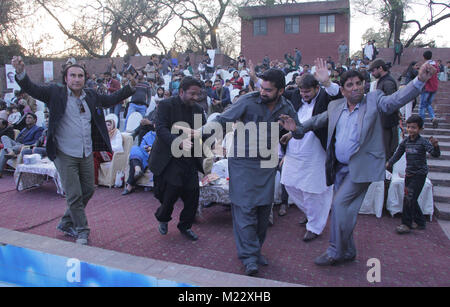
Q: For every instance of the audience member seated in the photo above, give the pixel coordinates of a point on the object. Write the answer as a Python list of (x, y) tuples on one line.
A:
[(40, 146), (15, 115), (220, 97), (147, 124), (139, 161), (28, 136), (237, 81), (116, 145), (6, 130), (3, 112)]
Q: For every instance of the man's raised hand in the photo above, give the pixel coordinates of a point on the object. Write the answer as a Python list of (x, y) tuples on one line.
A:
[(18, 64), (426, 71), (321, 73)]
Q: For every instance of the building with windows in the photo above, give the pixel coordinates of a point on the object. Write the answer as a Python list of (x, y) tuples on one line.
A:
[(315, 28)]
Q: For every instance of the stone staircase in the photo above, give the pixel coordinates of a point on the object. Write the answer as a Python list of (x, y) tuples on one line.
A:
[(439, 168)]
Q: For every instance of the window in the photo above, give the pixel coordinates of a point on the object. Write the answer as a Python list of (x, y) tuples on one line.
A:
[(327, 24), (292, 25), (260, 27)]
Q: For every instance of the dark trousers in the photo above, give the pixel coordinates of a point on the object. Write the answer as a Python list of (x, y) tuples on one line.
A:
[(396, 56), (250, 228), (390, 138), (168, 195), (411, 209), (133, 163)]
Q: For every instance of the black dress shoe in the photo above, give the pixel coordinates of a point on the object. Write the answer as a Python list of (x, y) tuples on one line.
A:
[(325, 260), (163, 228), (251, 269), (188, 233), (309, 236), (303, 221)]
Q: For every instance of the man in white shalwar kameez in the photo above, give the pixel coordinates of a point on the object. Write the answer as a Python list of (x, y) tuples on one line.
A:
[(303, 171)]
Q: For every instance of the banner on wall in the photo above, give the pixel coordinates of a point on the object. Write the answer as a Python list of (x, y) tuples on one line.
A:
[(10, 74), (48, 71), (212, 55)]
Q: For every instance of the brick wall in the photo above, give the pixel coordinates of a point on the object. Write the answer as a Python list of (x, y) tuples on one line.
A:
[(310, 42)]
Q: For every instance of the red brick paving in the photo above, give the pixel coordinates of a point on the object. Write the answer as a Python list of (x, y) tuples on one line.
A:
[(127, 224)]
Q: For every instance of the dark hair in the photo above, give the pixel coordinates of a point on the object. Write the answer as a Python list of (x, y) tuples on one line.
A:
[(428, 55), (66, 70), (409, 69), (32, 115), (308, 81), (187, 82), (350, 74), (415, 119), (275, 76), (107, 73)]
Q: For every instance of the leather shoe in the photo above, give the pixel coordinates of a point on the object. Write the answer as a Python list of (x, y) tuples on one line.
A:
[(283, 210), (188, 233), (251, 269), (67, 230), (126, 192), (303, 221), (262, 260), (309, 236), (163, 228), (325, 260)]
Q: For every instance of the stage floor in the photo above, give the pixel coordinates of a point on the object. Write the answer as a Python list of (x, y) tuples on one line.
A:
[(127, 224)]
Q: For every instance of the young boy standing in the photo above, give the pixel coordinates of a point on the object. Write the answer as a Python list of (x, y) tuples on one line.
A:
[(416, 148)]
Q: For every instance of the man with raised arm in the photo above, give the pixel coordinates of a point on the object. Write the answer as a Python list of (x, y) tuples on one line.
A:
[(355, 152), (76, 129)]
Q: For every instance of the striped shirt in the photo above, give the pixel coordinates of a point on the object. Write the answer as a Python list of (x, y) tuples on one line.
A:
[(416, 155)]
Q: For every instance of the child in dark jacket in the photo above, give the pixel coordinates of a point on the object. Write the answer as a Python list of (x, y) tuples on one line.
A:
[(416, 148)]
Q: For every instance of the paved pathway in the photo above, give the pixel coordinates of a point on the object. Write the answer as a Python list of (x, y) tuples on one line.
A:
[(126, 224)]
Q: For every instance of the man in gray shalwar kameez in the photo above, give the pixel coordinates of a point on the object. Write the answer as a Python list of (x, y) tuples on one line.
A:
[(252, 177)]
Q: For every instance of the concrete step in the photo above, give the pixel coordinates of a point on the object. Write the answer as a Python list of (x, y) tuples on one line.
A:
[(440, 178), (438, 166), (445, 155), (437, 132), (441, 138), (441, 194), (442, 125), (444, 145), (442, 210)]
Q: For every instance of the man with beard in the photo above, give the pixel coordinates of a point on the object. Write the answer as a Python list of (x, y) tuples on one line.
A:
[(177, 177), (303, 172), (355, 152), (386, 83), (252, 179)]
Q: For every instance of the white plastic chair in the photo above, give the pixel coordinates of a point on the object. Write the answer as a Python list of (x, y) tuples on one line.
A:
[(134, 120), (233, 94), (40, 122), (40, 106), (374, 199)]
